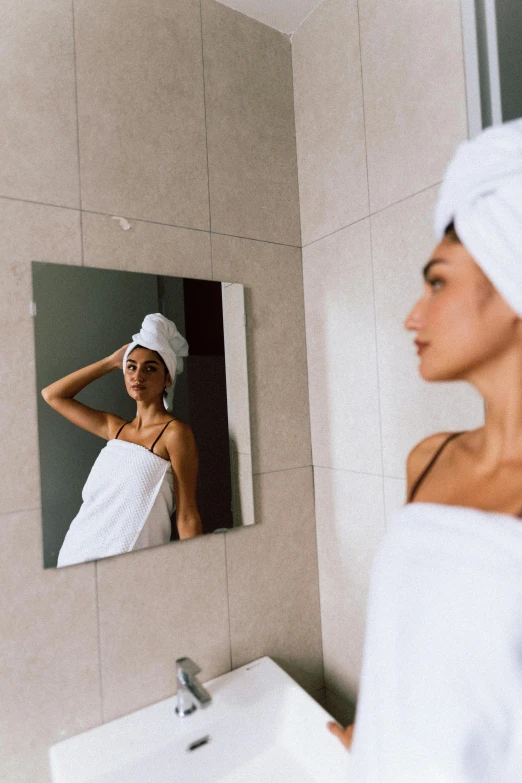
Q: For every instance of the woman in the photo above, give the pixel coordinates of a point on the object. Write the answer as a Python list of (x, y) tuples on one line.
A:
[(441, 685), (129, 495)]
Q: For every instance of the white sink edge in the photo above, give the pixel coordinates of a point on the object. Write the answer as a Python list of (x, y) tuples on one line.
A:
[(140, 732)]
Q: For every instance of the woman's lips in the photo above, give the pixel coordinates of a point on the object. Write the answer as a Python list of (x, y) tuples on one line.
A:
[(138, 387), (420, 346)]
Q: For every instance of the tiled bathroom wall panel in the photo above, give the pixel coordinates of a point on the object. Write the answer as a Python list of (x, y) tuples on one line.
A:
[(250, 127), (394, 496), (342, 361), (350, 526), (273, 280), (411, 408), (37, 102), (157, 605), (27, 232), (272, 579), (141, 110), (49, 654), (146, 247), (333, 187), (414, 93)]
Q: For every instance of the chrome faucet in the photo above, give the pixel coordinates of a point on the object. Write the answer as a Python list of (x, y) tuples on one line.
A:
[(191, 694)]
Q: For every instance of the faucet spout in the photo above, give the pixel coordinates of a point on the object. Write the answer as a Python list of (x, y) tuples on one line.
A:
[(191, 693)]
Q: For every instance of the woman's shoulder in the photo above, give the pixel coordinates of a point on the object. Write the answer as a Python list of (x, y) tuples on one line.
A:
[(421, 454), (180, 442), (114, 425), (177, 430)]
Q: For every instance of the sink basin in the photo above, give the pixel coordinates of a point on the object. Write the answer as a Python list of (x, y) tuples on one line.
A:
[(261, 727)]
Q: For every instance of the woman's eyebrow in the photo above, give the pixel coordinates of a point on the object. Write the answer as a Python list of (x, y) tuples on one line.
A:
[(431, 263), (149, 361)]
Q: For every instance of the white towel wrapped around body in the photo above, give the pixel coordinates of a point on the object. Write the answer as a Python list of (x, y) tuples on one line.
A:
[(441, 689), (128, 487)]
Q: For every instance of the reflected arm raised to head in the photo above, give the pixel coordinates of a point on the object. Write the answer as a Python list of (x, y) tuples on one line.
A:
[(60, 396)]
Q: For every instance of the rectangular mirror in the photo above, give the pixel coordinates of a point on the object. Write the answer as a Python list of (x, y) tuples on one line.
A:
[(83, 315)]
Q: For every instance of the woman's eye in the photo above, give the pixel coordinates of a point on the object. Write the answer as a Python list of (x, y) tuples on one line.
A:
[(434, 281)]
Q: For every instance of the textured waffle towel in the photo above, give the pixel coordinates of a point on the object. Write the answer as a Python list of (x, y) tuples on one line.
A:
[(482, 194), (117, 498), (440, 697)]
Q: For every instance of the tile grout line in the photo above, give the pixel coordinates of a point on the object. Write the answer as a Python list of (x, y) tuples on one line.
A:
[(98, 625), (376, 212), (360, 472), (219, 233), (145, 220), (281, 470), (228, 603), (296, 153), (206, 137), (319, 585), (375, 329), (77, 131)]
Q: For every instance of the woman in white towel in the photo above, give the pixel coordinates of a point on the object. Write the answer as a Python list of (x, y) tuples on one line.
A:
[(149, 465), (440, 697)]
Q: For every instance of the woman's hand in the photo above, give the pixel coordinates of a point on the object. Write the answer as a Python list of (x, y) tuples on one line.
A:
[(345, 735), (116, 359)]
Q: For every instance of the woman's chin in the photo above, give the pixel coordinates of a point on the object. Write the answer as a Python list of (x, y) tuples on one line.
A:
[(431, 373)]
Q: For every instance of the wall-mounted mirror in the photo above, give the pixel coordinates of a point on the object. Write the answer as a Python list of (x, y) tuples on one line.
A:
[(120, 484)]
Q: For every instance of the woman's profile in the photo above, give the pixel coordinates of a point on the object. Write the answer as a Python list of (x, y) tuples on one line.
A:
[(441, 684), (149, 465)]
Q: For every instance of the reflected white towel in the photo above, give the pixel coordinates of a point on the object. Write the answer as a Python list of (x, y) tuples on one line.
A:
[(441, 689), (118, 496)]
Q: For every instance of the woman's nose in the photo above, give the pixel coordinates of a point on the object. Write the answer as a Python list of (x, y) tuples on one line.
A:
[(414, 319)]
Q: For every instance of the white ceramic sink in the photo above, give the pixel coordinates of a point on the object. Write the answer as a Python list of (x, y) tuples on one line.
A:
[(261, 726)]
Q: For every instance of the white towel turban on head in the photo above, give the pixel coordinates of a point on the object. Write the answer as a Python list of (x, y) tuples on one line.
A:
[(161, 335), (482, 194)]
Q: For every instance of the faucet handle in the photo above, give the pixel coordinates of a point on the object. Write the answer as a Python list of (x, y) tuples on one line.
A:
[(187, 666)]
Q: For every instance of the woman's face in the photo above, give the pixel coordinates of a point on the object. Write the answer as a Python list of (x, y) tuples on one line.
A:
[(460, 315), (145, 375)]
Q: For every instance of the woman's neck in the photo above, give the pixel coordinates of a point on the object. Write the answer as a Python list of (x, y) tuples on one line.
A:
[(149, 414), (499, 382)]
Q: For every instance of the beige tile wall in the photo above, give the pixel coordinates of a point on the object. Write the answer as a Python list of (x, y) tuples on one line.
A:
[(179, 122), (380, 106)]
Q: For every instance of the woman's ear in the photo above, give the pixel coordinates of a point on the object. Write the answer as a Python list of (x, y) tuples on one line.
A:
[(168, 381)]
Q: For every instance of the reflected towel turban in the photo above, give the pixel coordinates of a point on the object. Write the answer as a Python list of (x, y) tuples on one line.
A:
[(482, 194), (161, 335)]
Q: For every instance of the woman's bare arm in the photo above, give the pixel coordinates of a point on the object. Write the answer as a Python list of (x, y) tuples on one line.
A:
[(183, 454), (60, 396)]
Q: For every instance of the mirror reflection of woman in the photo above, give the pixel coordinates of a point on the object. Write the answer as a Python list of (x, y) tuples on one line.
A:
[(440, 694), (149, 465)]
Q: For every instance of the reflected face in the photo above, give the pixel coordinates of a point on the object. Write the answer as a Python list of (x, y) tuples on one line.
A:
[(145, 375), (460, 318)]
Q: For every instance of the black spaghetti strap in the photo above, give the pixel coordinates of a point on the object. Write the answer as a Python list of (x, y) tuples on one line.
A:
[(430, 464), (122, 426), (159, 436)]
